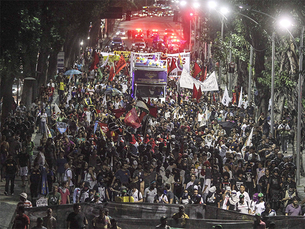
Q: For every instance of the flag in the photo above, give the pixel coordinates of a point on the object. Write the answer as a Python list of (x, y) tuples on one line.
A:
[(143, 114), (225, 98), (247, 143), (204, 75), (100, 74), (173, 66), (48, 132), (106, 61), (111, 74), (118, 112), (195, 93), (120, 65), (132, 119), (57, 110), (62, 127), (140, 104), (104, 127), (96, 60), (196, 70), (168, 67), (153, 111), (180, 62), (234, 97), (199, 94), (240, 100)]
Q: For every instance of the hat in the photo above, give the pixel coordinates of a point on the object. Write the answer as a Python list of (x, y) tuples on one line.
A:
[(24, 195), (260, 195), (163, 218), (241, 196), (135, 162)]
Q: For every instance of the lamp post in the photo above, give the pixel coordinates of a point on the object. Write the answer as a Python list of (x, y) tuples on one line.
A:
[(272, 84), (298, 151)]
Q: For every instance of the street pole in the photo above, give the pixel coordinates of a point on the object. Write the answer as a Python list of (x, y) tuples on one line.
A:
[(250, 75), (272, 85), (190, 35), (221, 37), (230, 74), (298, 151)]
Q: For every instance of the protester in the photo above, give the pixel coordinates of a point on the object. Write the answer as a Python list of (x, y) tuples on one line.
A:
[(163, 224), (39, 224), (76, 219), (49, 221), (21, 220)]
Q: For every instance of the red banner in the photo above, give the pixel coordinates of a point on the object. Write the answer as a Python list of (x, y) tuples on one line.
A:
[(196, 71), (111, 74), (96, 60), (104, 127), (118, 112), (195, 93), (132, 119), (120, 65)]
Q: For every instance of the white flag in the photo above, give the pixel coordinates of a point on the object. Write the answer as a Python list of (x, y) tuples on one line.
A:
[(247, 143), (225, 98), (187, 81), (240, 100), (106, 61)]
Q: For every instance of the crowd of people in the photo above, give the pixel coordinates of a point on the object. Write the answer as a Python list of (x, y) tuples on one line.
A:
[(192, 151)]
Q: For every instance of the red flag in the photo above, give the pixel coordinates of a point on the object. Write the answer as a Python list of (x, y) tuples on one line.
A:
[(196, 71), (104, 127), (120, 65), (111, 74), (199, 94), (173, 66), (168, 67), (118, 112), (132, 119), (95, 61), (204, 75), (195, 93), (142, 116)]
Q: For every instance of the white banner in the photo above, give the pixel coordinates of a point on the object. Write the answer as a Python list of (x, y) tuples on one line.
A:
[(186, 60), (225, 98), (187, 81), (240, 100)]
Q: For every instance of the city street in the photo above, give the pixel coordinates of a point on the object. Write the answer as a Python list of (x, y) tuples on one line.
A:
[(149, 23)]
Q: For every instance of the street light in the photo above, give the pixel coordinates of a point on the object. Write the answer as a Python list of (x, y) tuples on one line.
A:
[(183, 3), (223, 12), (286, 23)]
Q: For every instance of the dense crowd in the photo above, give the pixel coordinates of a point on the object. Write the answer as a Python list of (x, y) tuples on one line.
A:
[(192, 152)]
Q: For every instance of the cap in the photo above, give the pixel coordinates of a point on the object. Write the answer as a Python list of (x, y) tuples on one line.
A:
[(135, 162), (260, 194), (39, 219), (217, 226), (24, 195), (257, 214), (163, 218), (241, 196)]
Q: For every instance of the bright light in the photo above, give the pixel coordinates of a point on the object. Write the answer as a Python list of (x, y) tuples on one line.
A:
[(182, 3), (196, 5), (81, 43), (212, 4), (88, 38), (224, 10), (285, 23), (191, 14)]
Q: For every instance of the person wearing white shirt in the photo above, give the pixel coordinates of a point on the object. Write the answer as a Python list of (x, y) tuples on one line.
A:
[(137, 196), (242, 191), (242, 206), (260, 205)]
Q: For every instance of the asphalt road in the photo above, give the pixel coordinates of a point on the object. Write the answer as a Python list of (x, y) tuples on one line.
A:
[(149, 23)]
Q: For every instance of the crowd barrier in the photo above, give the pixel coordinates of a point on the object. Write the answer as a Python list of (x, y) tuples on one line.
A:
[(282, 222), (145, 215)]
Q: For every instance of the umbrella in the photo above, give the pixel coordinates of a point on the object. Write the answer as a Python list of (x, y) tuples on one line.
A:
[(73, 72), (114, 91), (227, 126)]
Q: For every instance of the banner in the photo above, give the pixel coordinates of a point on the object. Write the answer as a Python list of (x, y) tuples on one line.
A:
[(240, 100), (182, 61), (225, 98), (132, 119), (105, 62), (196, 70), (96, 60), (187, 81), (126, 54), (247, 143), (104, 127), (120, 65), (62, 127)]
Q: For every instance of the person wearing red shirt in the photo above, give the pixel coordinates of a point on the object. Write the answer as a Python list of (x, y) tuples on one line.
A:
[(21, 221)]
